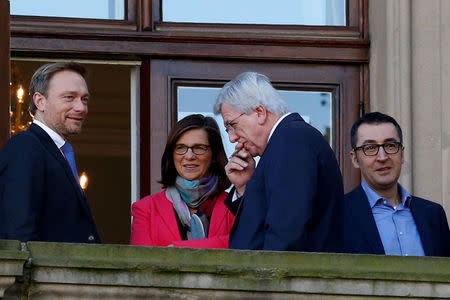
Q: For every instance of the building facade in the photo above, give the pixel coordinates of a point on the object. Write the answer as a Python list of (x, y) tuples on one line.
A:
[(149, 67)]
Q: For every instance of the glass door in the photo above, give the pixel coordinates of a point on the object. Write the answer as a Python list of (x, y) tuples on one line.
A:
[(326, 95), (106, 150)]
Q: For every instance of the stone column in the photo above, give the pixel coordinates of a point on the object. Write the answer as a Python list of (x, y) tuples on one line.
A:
[(430, 51), (410, 80), (390, 69)]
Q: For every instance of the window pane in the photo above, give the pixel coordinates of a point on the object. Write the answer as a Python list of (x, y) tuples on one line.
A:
[(97, 9), (314, 107), (281, 12), (200, 100)]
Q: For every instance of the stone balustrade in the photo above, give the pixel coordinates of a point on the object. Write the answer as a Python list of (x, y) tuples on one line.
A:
[(12, 260), (38, 270)]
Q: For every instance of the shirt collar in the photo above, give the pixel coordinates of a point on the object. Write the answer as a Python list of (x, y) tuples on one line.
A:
[(57, 139), (373, 197), (406, 197), (276, 124)]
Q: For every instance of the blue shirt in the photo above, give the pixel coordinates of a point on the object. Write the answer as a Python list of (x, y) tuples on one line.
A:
[(396, 225)]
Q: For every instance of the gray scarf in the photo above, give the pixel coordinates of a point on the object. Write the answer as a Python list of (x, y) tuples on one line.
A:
[(192, 194)]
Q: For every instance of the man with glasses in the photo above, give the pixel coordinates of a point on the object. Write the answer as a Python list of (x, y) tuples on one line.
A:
[(293, 199), (381, 217)]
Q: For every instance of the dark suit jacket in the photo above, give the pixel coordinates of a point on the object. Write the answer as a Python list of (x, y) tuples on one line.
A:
[(361, 233), (294, 200), (40, 199)]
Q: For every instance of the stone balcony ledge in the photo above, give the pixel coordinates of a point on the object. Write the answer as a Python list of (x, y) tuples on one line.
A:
[(82, 271), (12, 261)]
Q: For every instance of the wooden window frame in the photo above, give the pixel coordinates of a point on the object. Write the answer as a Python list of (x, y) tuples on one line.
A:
[(159, 106), (143, 34), (5, 77), (356, 17), (146, 15), (62, 24)]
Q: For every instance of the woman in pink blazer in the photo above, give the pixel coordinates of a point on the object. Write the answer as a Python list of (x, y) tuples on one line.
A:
[(190, 210)]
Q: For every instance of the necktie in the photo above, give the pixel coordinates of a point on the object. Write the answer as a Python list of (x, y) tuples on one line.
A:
[(68, 152)]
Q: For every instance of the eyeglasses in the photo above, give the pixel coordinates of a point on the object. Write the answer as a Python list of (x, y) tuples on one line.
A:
[(229, 126), (372, 149), (199, 149)]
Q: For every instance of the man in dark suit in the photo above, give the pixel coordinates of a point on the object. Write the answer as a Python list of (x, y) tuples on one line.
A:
[(381, 217), (40, 197), (293, 199)]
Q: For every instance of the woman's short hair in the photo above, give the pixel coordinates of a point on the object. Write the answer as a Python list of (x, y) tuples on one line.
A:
[(41, 78), (219, 158)]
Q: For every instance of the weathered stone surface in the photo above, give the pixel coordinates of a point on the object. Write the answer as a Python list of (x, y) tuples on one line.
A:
[(59, 291), (12, 260), (121, 271), (83, 271)]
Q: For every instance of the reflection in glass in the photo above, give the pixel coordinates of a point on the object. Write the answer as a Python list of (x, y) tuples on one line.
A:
[(18, 113), (200, 100), (281, 12), (89, 9), (314, 107)]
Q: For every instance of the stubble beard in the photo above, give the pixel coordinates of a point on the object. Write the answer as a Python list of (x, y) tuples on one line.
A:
[(66, 129)]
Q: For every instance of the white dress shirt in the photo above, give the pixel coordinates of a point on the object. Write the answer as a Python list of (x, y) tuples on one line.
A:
[(57, 139)]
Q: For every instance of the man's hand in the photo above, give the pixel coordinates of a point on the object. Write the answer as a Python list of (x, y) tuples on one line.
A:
[(240, 168)]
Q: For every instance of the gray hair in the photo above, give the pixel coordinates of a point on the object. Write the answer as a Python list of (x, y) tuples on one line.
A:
[(41, 78), (249, 90)]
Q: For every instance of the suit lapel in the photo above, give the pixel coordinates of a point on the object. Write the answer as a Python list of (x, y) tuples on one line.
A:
[(50, 146), (420, 218), (168, 217), (362, 213)]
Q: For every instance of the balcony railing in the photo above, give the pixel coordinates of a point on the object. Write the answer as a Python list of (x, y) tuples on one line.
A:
[(80, 271)]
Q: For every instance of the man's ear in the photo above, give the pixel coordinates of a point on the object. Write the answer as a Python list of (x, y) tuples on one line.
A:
[(40, 101), (403, 154), (261, 114), (355, 161)]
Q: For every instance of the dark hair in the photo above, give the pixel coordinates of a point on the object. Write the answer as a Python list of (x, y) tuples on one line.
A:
[(219, 158), (373, 118), (41, 78)]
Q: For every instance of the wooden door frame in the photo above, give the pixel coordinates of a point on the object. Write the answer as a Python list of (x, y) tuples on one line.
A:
[(158, 114), (5, 72)]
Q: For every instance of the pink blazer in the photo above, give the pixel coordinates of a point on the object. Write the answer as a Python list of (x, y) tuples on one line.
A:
[(155, 224)]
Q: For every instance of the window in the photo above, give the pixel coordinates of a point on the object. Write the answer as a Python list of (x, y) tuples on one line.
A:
[(284, 12), (315, 107), (98, 9), (323, 94), (53, 16)]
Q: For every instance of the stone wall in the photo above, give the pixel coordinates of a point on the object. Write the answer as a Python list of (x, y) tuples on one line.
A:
[(12, 261), (80, 271), (410, 80)]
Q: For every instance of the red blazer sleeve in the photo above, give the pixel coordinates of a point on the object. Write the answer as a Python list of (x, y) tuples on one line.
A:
[(140, 228)]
